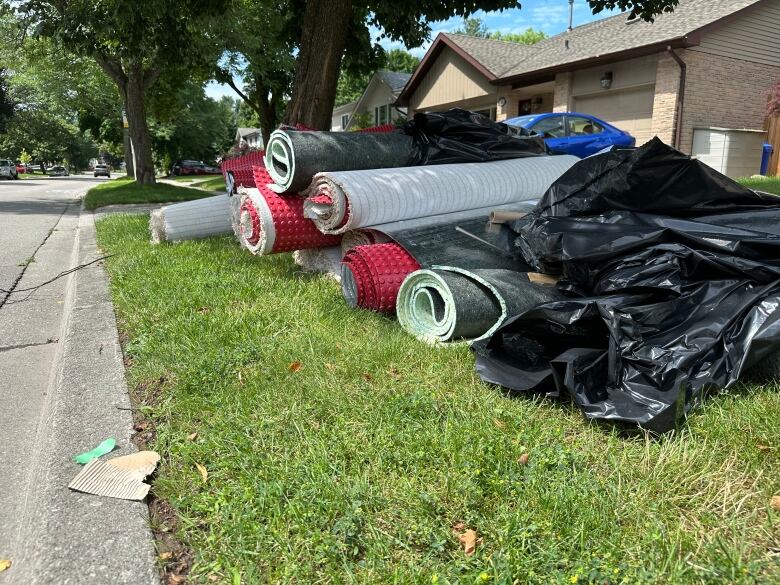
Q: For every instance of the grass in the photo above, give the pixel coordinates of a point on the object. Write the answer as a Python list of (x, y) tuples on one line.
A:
[(768, 184), (125, 190), (340, 450), (211, 183)]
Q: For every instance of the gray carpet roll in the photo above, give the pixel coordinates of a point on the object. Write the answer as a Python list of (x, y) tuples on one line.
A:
[(447, 303), (340, 201), (293, 157)]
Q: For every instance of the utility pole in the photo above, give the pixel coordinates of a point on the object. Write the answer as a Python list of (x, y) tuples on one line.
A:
[(571, 14)]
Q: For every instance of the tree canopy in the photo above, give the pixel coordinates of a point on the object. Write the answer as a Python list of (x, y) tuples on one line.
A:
[(352, 84), (475, 27)]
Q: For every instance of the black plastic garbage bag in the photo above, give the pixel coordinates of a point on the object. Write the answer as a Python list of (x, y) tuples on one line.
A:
[(675, 275), (457, 136)]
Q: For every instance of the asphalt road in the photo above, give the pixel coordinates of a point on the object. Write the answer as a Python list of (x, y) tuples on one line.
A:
[(29, 209)]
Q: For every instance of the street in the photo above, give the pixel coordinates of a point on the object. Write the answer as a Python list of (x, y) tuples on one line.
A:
[(55, 344)]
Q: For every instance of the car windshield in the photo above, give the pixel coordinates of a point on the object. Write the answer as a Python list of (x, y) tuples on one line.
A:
[(522, 121), (5, 163)]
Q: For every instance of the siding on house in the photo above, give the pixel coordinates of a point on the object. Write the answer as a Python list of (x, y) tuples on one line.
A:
[(625, 74), (724, 92), (753, 37), (378, 95), (451, 79)]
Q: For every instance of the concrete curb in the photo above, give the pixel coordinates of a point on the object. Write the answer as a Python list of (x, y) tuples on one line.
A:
[(74, 538)]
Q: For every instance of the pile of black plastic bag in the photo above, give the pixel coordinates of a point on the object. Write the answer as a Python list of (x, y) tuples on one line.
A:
[(673, 274)]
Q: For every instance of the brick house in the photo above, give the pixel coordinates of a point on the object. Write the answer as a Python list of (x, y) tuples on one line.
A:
[(709, 63)]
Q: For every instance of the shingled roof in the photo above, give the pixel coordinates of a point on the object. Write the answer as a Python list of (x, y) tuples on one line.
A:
[(602, 40), (394, 79)]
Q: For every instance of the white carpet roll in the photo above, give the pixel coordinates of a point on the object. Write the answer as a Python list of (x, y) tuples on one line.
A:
[(191, 220)]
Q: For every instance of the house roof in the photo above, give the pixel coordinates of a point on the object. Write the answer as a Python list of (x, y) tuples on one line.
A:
[(602, 40), (395, 80), (244, 132), (344, 108)]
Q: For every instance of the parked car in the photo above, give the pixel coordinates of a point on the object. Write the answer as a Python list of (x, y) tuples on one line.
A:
[(193, 167), (21, 168), (59, 171), (574, 133), (102, 170), (8, 169)]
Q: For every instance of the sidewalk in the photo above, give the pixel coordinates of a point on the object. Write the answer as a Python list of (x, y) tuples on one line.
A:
[(51, 534)]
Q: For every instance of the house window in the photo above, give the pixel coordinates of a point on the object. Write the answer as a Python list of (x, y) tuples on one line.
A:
[(344, 121), (380, 115)]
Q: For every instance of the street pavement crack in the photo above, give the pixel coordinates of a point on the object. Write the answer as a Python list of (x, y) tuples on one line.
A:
[(18, 279), (26, 345)]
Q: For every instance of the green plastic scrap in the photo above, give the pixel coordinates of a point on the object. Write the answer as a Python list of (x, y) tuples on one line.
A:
[(105, 447)]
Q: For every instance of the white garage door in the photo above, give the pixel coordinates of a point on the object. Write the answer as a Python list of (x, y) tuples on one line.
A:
[(627, 109)]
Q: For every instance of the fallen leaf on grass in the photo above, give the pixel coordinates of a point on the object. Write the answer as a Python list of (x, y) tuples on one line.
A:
[(214, 578), (140, 425), (776, 503), (295, 366), (315, 425), (523, 459), (204, 473), (367, 377), (499, 423), (176, 579), (204, 310), (330, 367), (467, 537), (764, 448), (192, 436), (165, 555), (4, 564), (394, 373), (469, 541)]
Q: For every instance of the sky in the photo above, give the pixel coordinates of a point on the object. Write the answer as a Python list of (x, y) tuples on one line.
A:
[(549, 16)]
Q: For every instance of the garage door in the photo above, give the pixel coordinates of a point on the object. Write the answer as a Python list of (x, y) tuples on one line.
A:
[(628, 109)]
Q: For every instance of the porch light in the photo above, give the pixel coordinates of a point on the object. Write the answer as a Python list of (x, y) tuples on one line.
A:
[(606, 80), (501, 102)]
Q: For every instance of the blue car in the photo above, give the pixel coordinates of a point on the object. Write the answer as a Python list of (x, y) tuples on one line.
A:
[(573, 133)]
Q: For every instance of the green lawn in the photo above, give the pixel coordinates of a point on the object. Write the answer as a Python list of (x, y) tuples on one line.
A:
[(210, 183), (768, 184), (125, 190), (341, 450)]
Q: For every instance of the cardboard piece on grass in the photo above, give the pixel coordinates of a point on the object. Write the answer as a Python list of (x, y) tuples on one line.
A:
[(103, 479), (138, 464)]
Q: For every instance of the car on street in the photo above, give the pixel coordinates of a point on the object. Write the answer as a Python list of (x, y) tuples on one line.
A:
[(102, 170), (59, 171), (8, 169), (193, 167), (574, 133)]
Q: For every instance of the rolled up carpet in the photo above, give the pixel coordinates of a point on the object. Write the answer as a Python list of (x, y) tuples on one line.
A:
[(355, 238), (191, 220), (371, 275), (324, 260), (448, 304), (269, 224), (293, 157), (340, 201)]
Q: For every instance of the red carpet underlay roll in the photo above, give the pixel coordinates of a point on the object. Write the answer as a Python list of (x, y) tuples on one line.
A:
[(371, 275), (270, 223)]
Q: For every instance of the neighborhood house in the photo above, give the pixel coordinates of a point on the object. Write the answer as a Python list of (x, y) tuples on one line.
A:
[(377, 104), (708, 64)]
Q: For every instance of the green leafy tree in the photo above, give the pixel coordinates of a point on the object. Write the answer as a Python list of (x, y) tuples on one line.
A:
[(133, 43), (644, 9), (258, 60), (473, 27), (528, 37), (400, 60)]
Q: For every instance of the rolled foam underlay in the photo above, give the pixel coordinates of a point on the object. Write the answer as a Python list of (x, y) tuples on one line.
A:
[(371, 275), (191, 220), (344, 200), (324, 260), (293, 157), (447, 303), (270, 223), (365, 237)]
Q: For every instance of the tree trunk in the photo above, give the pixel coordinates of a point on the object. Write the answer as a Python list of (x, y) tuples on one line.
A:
[(318, 64), (267, 111), (129, 167), (140, 140)]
